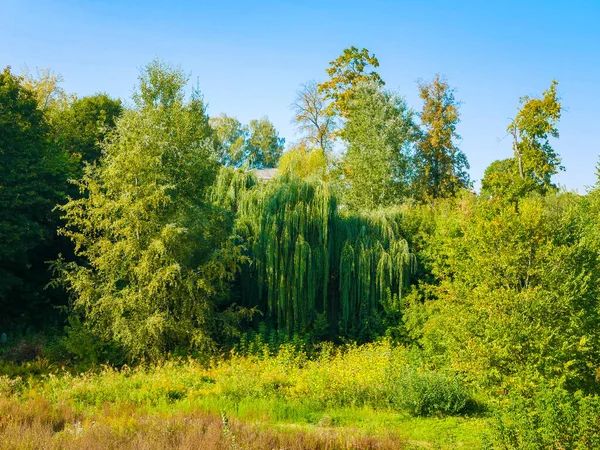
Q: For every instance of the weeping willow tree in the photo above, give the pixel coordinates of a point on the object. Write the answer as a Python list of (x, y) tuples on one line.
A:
[(310, 259)]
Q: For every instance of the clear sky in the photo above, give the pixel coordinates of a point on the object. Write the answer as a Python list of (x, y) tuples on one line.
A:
[(250, 56)]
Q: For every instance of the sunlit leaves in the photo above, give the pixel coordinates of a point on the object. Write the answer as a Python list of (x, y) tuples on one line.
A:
[(441, 165)]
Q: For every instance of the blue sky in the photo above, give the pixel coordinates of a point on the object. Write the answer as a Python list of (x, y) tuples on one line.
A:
[(250, 57)]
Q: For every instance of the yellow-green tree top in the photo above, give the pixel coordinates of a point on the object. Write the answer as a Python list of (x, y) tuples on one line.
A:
[(345, 73), (534, 161), (442, 166), (535, 122)]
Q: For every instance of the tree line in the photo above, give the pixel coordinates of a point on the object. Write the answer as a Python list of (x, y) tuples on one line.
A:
[(145, 226)]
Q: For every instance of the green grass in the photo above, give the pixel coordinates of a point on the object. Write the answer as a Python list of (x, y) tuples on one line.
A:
[(369, 390)]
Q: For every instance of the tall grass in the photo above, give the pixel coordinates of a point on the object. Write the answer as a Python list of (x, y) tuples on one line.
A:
[(377, 375), (132, 407), (36, 424)]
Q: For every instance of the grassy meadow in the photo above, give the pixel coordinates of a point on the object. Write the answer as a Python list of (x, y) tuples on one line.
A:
[(370, 396)]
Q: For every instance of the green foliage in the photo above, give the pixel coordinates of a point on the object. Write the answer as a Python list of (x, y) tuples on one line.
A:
[(552, 419), (535, 161), (426, 393), (264, 144), (144, 228), (346, 72), (33, 178), (257, 145), (340, 390), (441, 165), (305, 163), (513, 295), (231, 140), (379, 130), (81, 126), (173, 259), (83, 347), (377, 375), (501, 179), (309, 258), (45, 86)]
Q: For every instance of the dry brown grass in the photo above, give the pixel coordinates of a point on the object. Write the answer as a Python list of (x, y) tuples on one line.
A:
[(37, 424)]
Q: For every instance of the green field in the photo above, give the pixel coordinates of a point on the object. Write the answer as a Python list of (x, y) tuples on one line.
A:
[(349, 399)]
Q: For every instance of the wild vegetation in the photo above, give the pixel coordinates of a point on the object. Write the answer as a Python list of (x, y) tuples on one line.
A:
[(157, 292)]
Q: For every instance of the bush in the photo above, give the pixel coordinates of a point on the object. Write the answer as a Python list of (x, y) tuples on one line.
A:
[(25, 352), (85, 348), (424, 393), (552, 419)]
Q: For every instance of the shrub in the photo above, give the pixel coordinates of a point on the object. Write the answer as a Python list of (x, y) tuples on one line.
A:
[(25, 350), (424, 393), (553, 419)]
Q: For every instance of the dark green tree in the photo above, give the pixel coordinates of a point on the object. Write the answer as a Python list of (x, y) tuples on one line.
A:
[(312, 262), (83, 124), (33, 179)]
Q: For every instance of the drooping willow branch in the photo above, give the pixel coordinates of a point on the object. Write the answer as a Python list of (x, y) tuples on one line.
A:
[(309, 257)]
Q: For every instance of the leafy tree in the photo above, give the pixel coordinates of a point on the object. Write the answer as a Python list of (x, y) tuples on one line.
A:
[(312, 262), (535, 161), (231, 140), (145, 229), (264, 144), (33, 174), (312, 116), (45, 84), (346, 72), (501, 178), (514, 294), (79, 125), (441, 166), (257, 145), (304, 162), (379, 129), (82, 125)]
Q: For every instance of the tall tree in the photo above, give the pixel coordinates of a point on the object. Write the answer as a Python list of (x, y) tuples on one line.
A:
[(534, 161), (441, 165), (145, 229), (312, 116), (257, 145), (264, 145), (313, 262), (81, 126), (33, 178), (231, 138), (379, 129), (345, 73), (535, 122)]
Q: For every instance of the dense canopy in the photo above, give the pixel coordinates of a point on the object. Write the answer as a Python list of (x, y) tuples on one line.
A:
[(138, 231)]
